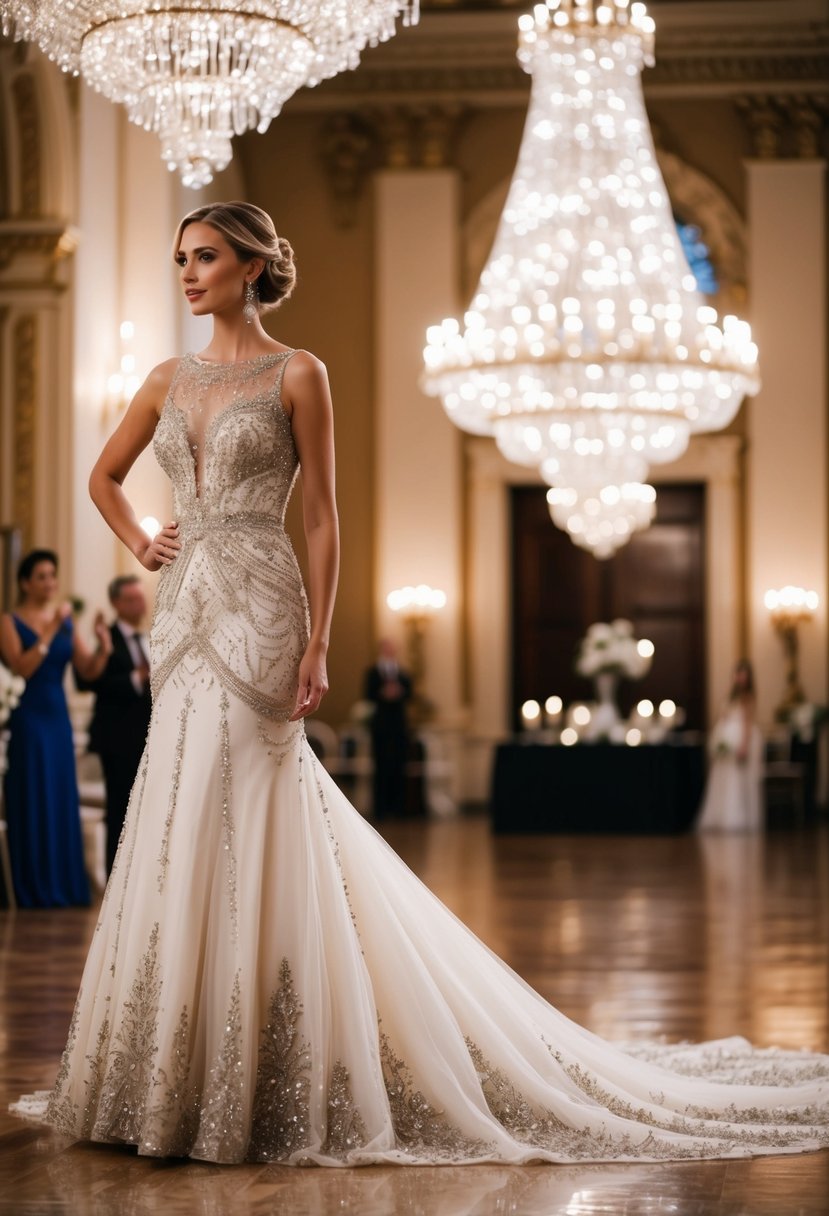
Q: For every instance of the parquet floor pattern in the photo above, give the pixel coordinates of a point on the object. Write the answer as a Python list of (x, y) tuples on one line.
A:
[(633, 937)]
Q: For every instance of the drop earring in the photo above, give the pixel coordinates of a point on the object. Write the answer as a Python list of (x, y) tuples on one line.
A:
[(250, 311)]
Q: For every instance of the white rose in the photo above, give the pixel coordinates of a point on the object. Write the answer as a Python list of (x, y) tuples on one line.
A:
[(600, 632)]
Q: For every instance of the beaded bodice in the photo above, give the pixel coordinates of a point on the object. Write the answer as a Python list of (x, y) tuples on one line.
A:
[(224, 439), (233, 599)]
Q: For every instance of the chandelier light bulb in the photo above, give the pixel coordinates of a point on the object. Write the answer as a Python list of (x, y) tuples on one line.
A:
[(198, 72), (587, 350)]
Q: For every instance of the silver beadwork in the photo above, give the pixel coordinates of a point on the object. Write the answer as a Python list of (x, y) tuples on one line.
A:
[(251, 308)]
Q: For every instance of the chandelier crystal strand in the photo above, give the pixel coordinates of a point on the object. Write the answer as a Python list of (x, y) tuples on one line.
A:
[(198, 72), (587, 349)]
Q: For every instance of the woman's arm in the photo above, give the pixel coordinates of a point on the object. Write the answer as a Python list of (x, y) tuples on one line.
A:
[(88, 665), (25, 662), (307, 398), (119, 455)]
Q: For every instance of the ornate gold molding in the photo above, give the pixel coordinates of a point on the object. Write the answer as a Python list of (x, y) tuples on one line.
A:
[(395, 137), (24, 397), (346, 145), (48, 241), (784, 126)]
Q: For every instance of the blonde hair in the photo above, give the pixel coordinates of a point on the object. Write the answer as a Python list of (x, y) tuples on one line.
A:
[(250, 232)]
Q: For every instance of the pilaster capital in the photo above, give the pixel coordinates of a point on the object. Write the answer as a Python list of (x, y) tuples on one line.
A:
[(354, 143), (788, 126)]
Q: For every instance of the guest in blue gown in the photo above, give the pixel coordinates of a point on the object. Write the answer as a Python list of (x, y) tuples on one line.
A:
[(37, 642)]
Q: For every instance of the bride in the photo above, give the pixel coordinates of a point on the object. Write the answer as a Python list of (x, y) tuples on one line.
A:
[(267, 980)]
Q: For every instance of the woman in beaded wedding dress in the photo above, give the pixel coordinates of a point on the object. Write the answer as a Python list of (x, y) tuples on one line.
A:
[(267, 980)]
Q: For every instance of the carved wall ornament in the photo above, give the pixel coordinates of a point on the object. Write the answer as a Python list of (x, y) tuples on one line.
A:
[(347, 146), (396, 137), (52, 243), (785, 126), (807, 124), (24, 344)]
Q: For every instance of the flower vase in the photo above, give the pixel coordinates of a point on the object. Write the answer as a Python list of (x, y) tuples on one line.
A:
[(606, 712)]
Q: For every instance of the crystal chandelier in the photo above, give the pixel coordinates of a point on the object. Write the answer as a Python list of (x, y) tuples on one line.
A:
[(588, 350), (198, 72)]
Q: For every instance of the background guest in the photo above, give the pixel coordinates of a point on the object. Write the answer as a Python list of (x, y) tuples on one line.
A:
[(388, 687), (122, 704), (41, 790), (732, 801)]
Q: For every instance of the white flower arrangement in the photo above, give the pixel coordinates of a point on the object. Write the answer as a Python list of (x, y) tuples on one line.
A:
[(11, 690), (611, 648), (805, 720)]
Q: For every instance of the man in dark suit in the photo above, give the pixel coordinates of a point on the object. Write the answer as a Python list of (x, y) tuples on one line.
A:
[(123, 704), (388, 687)]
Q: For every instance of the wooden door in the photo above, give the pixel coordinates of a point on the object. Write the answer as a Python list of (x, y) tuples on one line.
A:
[(657, 581)]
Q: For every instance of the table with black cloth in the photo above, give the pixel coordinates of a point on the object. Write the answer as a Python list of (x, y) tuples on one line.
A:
[(597, 787)]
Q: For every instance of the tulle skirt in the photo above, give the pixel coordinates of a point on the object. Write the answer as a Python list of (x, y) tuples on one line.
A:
[(269, 982)]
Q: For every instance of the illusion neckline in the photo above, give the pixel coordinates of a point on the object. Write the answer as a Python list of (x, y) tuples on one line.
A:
[(273, 354)]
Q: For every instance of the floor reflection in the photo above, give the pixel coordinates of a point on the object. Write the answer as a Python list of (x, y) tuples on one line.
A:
[(78, 1183)]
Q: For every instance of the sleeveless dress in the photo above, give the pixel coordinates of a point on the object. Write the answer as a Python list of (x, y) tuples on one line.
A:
[(733, 793), (268, 981), (41, 786)]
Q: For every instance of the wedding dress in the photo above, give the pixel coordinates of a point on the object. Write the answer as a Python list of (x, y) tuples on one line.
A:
[(267, 980), (732, 800)]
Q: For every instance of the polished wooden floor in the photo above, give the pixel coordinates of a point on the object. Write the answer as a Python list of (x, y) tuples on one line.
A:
[(633, 937)]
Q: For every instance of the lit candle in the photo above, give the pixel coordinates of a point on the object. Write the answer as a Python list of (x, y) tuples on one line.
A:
[(531, 715), (553, 707)]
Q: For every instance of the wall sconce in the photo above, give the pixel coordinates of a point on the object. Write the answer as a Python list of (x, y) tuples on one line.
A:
[(123, 384), (788, 608), (416, 606)]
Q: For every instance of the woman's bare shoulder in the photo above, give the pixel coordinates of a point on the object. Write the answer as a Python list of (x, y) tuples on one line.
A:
[(161, 376), (303, 364)]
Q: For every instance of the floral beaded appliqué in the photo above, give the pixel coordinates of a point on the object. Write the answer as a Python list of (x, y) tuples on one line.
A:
[(281, 1104)]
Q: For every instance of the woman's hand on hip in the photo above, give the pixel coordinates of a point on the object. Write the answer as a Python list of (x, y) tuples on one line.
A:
[(163, 549)]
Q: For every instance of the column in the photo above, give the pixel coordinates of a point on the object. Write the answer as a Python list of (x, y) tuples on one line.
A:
[(417, 458), (787, 522), (128, 209)]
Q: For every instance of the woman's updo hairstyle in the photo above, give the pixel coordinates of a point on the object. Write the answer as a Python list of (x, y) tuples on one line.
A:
[(250, 232)]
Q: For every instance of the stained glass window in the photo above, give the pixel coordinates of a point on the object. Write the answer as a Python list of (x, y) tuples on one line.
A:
[(699, 257)]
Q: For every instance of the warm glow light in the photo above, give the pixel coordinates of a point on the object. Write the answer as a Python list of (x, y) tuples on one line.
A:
[(127, 331), (792, 600), (645, 709), (633, 737), (645, 648), (416, 600), (569, 736), (553, 706), (667, 708), (150, 525), (581, 715), (587, 350), (530, 712)]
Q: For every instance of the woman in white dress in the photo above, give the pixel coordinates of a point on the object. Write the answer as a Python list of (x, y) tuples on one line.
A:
[(733, 793), (268, 981)]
